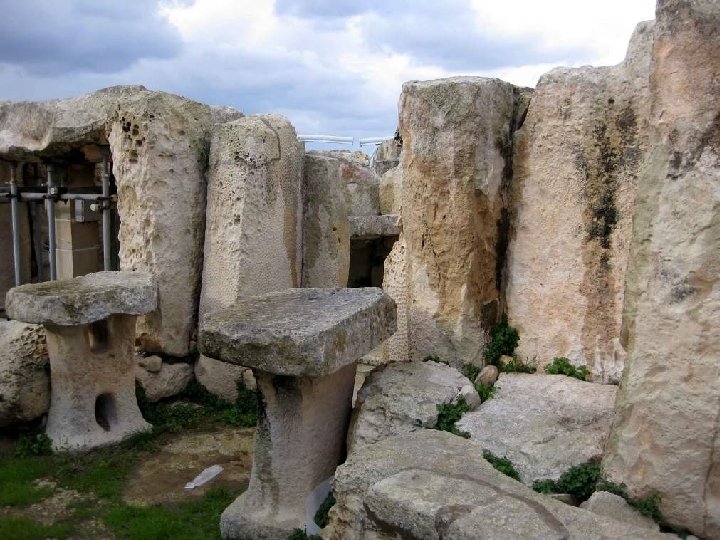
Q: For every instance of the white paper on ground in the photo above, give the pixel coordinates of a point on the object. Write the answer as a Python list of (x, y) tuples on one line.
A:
[(204, 477)]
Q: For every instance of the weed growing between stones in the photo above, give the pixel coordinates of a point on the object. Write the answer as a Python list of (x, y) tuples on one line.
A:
[(322, 517), (471, 371), (562, 366), (485, 391), (449, 413), (516, 365), (502, 464), (33, 444), (503, 341)]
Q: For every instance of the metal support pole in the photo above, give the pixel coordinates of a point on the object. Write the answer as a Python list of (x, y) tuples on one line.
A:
[(106, 215), (50, 207), (37, 242), (14, 211)]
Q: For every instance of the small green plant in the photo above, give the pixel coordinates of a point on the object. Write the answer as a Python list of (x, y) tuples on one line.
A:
[(503, 341), (485, 391), (299, 534), (544, 486), (580, 480), (435, 358), (502, 464), (648, 506), (35, 444), (562, 366), (449, 413), (471, 371), (516, 365), (322, 517)]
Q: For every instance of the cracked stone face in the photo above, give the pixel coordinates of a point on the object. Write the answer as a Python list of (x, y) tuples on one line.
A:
[(299, 332), (84, 299)]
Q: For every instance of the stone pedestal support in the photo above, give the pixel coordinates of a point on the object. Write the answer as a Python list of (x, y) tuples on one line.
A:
[(90, 327), (303, 345)]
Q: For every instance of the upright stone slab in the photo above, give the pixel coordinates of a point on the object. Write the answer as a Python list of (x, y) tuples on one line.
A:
[(326, 231), (575, 168), (666, 435), (302, 345), (90, 326), (253, 227), (457, 143)]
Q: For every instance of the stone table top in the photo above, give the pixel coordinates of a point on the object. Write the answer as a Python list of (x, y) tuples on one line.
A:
[(84, 299), (299, 332)]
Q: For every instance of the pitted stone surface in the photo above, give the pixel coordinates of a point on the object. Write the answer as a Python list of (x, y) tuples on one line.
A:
[(84, 299), (374, 226), (299, 332)]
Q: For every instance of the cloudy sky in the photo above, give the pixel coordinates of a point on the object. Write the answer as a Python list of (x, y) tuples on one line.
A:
[(331, 66)]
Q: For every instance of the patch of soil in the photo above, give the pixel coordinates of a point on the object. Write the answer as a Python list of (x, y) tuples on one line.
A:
[(162, 477)]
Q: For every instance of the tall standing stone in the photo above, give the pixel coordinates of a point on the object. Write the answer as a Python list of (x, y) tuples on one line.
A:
[(577, 158), (457, 146), (665, 436)]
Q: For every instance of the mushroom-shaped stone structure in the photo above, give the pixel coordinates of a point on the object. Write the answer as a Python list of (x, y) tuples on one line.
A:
[(303, 345), (90, 327)]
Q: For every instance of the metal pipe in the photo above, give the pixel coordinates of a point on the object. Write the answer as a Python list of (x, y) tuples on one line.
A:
[(106, 214), (14, 211), (50, 207), (37, 242), (374, 140), (326, 138)]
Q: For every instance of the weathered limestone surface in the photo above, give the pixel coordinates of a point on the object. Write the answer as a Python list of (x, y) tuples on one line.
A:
[(24, 372), (83, 300), (575, 168), (326, 230), (221, 378), (168, 381), (397, 347), (403, 397), (615, 507), (253, 231), (391, 191), (544, 424), (299, 332), (90, 331), (665, 435), (432, 484), (457, 146), (159, 145), (387, 156), (374, 226), (303, 345)]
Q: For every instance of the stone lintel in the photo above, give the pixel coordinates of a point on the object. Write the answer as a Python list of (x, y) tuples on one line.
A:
[(83, 300), (300, 332), (374, 226)]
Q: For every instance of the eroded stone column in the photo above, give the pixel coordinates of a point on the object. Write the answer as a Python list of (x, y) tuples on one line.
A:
[(90, 327), (303, 345)]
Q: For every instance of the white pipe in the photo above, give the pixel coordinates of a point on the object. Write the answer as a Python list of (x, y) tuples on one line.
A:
[(326, 138), (50, 206), (374, 140)]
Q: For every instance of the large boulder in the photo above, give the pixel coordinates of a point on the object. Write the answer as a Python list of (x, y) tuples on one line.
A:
[(403, 397), (544, 424), (457, 146), (575, 168), (168, 381), (431, 485), (24, 372), (159, 146), (666, 435)]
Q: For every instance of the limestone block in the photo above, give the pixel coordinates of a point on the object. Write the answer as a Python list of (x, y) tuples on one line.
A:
[(168, 381), (397, 347), (544, 424), (253, 231), (84, 299), (387, 156), (665, 435), (152, 363), (364, 197), (403, 397), (299, 332), (220, 378), (391, 191), (488, 375), (432, 484), (457, 139), (615, 507), (575, 167), (364, 227), (326, 231), (24, 372)]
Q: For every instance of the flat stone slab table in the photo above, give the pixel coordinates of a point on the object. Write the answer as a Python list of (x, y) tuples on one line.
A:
[(90, 326), (303, 345)]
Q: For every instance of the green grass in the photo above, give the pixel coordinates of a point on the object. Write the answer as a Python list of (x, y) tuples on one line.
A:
[(503, 341), (449, 413), (516, 365), (485, 391), (191, 520), (502, 464), (23, 528), (562, 366)]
